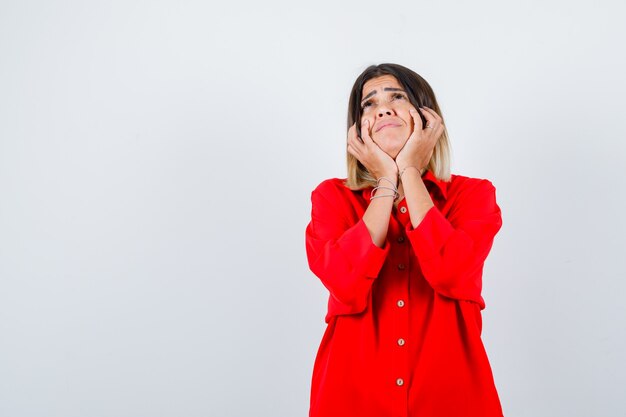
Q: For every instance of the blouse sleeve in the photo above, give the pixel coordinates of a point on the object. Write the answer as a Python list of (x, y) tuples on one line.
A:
[(451, 252), (342, 255)]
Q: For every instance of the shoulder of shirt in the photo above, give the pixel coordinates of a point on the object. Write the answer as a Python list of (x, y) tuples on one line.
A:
[(462, 182), (333, 186), (332, 183)]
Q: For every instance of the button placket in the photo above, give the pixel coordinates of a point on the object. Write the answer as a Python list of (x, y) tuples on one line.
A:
[(396, 345), (400, 368)]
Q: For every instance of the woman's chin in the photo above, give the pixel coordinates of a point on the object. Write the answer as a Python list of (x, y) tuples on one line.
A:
[(393, 154), (394, 146), (393, 149)]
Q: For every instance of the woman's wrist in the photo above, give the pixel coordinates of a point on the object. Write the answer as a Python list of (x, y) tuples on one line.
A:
[(392, 175), (386, 183), (403, 169)]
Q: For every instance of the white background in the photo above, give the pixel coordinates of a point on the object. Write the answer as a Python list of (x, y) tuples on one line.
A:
[(156, 164)]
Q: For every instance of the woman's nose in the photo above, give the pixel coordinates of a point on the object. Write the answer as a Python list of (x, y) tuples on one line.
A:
[(381, 113)]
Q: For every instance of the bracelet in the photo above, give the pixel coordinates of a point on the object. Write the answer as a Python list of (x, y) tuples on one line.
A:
[(386, 188), (391, 182), (385, 195), (411, 166), (395, 191), (395, 194)]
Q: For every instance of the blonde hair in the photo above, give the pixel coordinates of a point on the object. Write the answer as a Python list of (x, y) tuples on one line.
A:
[(420, 94)]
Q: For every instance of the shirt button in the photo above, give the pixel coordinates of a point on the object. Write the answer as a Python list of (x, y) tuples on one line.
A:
[(401, 239), (402, 209), (401, 267), (400, 381), (400, 303), (401, 342)]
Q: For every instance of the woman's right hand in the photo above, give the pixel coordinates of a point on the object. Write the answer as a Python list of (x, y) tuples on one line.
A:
[(377, 161)]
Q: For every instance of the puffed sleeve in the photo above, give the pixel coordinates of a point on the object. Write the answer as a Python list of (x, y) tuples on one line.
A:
[(341, 253), (451, 251)]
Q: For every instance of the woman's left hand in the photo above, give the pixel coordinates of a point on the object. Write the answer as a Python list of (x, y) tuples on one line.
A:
[(418, 149)]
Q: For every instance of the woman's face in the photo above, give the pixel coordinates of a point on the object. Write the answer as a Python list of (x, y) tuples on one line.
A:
[(386, 105)]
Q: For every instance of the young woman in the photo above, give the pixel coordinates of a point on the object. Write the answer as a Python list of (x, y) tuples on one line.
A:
[(400, 245)]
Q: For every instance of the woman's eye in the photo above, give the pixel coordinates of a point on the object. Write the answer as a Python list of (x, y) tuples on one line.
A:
[(369, 103)]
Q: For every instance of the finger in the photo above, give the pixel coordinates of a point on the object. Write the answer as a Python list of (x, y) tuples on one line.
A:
[(440, 132), (431, 121), (417, 120), (359, 134), (436, 136), (365, 132), (354, 142), (352, 129), (433, 113), (352, 133), (353, 151)]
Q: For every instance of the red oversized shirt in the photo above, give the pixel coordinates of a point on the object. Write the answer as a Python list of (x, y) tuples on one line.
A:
[(403, 335)]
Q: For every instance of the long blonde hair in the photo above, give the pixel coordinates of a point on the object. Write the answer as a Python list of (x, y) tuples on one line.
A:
[(420, 94)]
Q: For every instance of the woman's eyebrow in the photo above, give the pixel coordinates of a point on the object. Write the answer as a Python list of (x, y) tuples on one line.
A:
[(373, 92)]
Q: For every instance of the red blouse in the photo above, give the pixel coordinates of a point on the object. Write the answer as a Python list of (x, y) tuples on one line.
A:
[(404, 324)]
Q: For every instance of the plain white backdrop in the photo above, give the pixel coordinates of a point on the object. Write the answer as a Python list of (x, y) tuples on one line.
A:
[(156, 164)]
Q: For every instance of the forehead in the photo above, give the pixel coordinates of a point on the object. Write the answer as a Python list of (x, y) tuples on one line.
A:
[(379, 83)]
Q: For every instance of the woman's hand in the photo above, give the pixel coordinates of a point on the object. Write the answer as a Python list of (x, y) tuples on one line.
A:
[(377, 161), (418, 149)]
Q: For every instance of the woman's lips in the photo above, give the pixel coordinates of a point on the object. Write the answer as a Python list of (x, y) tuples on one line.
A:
[(387, 125)]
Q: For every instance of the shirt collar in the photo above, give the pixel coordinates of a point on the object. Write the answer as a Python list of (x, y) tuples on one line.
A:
[(429, 177), (429, 180)]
